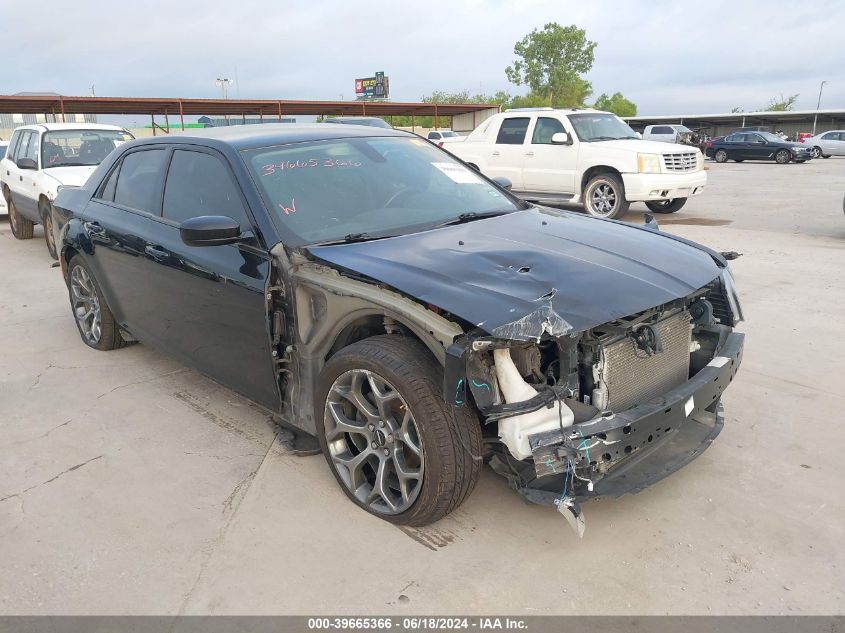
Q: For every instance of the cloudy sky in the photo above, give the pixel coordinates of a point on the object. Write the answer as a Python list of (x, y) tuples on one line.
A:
[(668, 56)]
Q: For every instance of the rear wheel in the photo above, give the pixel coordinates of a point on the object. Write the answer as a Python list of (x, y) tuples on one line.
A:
[(93, 318), (45, 209), (22, 228), (782, 156), (721, 156), (604, 197), (393, 444), (666, 206)]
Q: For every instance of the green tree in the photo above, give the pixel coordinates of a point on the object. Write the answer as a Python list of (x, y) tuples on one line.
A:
[(551, 62), (737, 109), (618, 104), (781, 105)]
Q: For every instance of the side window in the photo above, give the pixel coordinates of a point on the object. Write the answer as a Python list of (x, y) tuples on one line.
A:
[(107, 190), (29, 146), (663, 129), (13, 145), (138, 181), (434, 135), (545, 128), (201, 184), (512, 131), (756, 138), (831, 136)]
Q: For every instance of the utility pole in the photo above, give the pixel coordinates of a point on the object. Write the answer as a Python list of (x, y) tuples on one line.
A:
[(818, 105), (223, 83)]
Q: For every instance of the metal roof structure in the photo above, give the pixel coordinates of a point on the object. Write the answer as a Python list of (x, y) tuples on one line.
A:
[(59, 104), (826, 119)]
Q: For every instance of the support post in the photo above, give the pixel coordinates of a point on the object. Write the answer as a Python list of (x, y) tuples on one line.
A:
[(62, 106), (166, 121), (280, 111), (181, 116), (153, 121), (413, 123)]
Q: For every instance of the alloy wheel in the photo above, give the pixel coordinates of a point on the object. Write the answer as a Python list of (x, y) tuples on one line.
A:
[(817, 152), (721, 156), (86, 305), (603, 199), (782, 157), (374, 442)]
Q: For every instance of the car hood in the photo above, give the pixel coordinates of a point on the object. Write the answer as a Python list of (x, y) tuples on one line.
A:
[(72, 176), (638, 145), (531, 272)]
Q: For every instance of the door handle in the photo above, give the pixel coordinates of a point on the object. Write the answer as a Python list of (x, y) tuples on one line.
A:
[(496, 153), (529, 153), (94, 229), (156, 252)]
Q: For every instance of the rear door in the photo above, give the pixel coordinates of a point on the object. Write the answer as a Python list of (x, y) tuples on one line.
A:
[(507, 153), (548, 167), (210, 306)]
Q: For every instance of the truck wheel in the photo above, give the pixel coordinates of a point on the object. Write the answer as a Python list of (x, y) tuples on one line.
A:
[(22, 228), (782, 156), (93, 318), (395, 447), (721, 156), (604, 197), (45, 209), (666, 206)]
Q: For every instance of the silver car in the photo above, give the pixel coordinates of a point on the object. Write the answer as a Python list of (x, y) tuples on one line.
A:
[(827, 144)]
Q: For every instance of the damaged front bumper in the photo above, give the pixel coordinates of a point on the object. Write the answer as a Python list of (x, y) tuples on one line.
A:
[(625, 452)]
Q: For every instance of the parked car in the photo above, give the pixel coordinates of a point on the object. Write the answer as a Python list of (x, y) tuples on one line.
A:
[(583, 156), (441, 137), (42, 159), (827, 144), (4, 145), (757, 146), (371, 121), (371, 290), (666, 133)]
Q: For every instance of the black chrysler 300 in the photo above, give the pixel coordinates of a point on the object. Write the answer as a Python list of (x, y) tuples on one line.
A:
[(374, 292)]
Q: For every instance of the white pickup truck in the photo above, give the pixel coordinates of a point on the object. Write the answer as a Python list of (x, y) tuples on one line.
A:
[(582, 156)]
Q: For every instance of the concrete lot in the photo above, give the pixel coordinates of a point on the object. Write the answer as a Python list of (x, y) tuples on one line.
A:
[(131, 485)]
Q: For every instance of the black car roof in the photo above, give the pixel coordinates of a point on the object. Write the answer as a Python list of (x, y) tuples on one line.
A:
[(242, 137)]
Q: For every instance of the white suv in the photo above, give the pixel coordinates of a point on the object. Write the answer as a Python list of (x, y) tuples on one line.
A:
[(583, 156), (45, 157)]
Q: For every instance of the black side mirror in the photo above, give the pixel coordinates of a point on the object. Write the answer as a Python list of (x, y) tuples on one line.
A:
[(503, 182), (26, 163), (210, 230)]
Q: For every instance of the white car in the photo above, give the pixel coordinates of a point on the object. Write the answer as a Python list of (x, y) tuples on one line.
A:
[(827, 144), (4, 145), (665, 133), (441, 137), (43, 158), (583, 156)]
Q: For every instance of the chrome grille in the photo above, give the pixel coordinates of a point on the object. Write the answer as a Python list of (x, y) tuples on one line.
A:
[(686, 161), (633, 377)]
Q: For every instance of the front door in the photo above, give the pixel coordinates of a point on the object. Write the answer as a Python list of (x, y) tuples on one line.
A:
[(22, 181), (546, 167), (211, 299)]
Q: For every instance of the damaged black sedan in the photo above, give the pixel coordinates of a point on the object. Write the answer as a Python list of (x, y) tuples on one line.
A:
[(415, 319)]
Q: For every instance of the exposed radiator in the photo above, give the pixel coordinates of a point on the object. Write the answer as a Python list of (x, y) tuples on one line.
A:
[(633, 377)]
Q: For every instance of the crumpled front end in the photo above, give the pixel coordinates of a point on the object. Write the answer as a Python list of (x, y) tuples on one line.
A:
[(605, 411)]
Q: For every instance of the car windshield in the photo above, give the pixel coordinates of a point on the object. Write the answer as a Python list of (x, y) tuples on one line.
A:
[(63, 148), (771, 138), (599, 126), (362, 188)]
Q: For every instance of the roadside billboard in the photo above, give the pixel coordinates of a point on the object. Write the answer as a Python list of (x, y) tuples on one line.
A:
[(372, 87)]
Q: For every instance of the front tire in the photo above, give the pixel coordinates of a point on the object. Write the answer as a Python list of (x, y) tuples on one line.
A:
[(395, 447), (782, 156), (666, 206), (604, 197), (45, 210), (817, 152), (721, 156), (22, 228), (93, 317)]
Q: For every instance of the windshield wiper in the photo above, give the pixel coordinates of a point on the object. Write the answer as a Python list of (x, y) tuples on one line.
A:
[(469, 216), (352, 238)]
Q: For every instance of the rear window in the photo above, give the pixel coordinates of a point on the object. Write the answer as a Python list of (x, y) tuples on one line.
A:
[(513, 131)]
